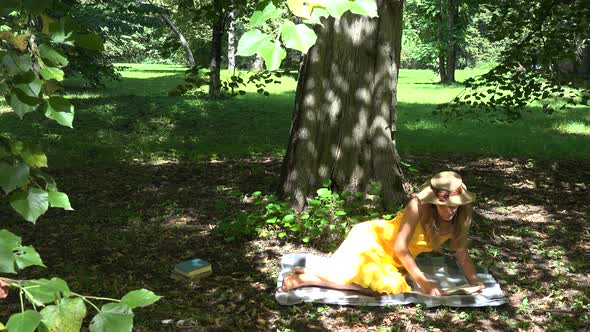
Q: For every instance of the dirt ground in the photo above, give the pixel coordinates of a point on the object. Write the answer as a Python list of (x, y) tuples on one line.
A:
[(131, 224)]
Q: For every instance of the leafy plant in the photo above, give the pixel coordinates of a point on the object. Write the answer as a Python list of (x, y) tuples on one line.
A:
[(32, 57), (327, 219), (300, 37)]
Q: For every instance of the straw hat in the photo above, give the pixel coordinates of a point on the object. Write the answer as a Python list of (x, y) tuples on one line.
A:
[(445, 188)]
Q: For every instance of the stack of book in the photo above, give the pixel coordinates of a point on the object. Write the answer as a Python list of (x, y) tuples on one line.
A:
[(193, 269)]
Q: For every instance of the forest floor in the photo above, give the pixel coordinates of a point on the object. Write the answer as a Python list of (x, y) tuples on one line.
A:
[(151, 176), (531, 230)]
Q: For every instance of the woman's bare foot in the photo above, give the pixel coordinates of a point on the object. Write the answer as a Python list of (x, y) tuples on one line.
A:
[(299, 278)]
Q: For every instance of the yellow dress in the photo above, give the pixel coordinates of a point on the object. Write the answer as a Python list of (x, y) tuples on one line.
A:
[(366, 257)]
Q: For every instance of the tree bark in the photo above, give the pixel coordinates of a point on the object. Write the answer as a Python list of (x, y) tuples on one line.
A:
[(231, 41), (215, 65), (189, 53), (453, 14), (344, 122), (258, 63)]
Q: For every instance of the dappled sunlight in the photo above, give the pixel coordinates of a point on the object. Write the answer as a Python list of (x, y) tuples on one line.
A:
[(573, 127), (423, 124), (530, 213)]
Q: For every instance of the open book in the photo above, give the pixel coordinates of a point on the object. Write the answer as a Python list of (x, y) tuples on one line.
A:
[(465, 289)]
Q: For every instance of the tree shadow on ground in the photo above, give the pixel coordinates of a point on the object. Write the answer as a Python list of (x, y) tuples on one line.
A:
[(134, 221)]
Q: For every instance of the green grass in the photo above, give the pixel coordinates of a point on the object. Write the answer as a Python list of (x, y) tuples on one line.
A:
[(136, 213), (135, 119)]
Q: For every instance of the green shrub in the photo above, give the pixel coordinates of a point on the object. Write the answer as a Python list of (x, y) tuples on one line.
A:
[(323, 224)]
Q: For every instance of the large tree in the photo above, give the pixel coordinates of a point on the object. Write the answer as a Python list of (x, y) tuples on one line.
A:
[(344, 121)]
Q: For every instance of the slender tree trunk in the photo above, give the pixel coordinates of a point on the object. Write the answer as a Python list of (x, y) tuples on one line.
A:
[(344, 122), (258, 63), (442, 69), (189, 53), (231, 41), (215, 66), (453, 13)]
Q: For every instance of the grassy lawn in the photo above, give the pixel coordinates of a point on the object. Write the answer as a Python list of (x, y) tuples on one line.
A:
[(150, 175)]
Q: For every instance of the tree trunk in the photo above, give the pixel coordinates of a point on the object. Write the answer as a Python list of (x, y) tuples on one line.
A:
[(189, 53), (231, 41), (442, 69), (215, 66), (344, 122), (258, 63), (453, 15)]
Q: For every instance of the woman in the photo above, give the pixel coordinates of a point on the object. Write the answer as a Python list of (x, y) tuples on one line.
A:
[(373, 257)]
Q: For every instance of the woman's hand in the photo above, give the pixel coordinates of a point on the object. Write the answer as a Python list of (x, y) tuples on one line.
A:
[(479, 284), (430, 288)]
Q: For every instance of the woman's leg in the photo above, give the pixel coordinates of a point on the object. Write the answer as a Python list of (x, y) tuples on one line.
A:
[(302, 278)]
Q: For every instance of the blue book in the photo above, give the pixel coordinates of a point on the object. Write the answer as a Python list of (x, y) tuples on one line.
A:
[(193, 267)]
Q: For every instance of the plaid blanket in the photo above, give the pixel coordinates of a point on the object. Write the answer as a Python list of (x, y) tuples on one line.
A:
[(441, 269)]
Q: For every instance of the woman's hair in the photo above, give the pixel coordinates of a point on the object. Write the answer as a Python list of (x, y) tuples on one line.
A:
[(461, 224)]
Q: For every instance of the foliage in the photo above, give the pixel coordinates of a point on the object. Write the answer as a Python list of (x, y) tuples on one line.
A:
[(271, 46), (541, 37), (32, 44), (327, 219), (127, 27), (504, 92)]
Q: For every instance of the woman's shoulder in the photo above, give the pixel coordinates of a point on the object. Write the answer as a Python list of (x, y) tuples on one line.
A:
[(415, 206)]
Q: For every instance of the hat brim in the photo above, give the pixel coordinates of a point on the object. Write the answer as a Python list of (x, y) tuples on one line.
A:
[(426, 195)]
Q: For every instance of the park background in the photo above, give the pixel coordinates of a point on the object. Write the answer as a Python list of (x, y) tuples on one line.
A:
[(158, 171)]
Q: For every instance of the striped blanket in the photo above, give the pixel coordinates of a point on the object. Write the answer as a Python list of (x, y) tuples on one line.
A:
[(441, 269)]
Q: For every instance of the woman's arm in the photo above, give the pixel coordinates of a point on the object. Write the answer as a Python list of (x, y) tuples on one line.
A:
[(466, 264), (401, 248)]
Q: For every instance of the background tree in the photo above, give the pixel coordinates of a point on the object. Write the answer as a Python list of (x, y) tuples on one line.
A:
[(541, 37), (439, 26)]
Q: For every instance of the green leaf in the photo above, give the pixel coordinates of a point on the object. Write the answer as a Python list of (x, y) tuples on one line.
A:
[(299, 37), (32, 88), (327, 183), (21, 103), (16, 64), (43, 291), (288, 218), (31, 204), (337, 7), (139, 298), (314, 202), (91, 41), (24, 322), (33, 155), (60, 110), (49, 73), (364, 7), (27, 256), (66, 316), (8, 242), (59, 200), (269, 12), (13, 176), (51, 55), (340, 213), (282, 234), (316, 15), (112, 317), (251, 42), (324, 192), (273, 54)]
